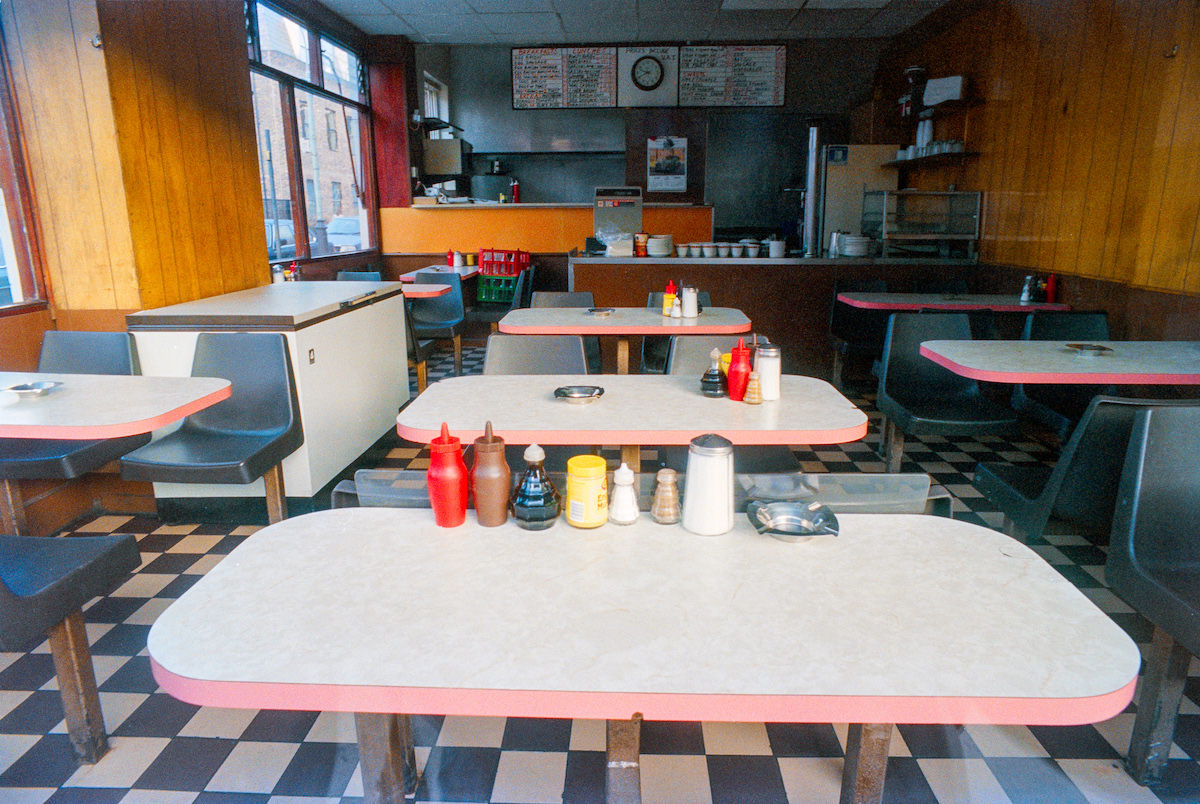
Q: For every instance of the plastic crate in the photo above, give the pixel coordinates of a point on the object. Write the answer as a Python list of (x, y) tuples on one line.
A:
[(499, 262), (498, 289)]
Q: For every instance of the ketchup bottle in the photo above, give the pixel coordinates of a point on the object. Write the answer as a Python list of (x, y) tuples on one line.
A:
[(447, 479), (739, 371)]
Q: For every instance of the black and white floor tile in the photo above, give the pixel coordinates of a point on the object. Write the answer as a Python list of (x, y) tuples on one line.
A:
[(168, 752)]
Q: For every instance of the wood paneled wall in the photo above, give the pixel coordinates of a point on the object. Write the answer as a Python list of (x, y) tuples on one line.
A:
[(178, 71), (1089, 133)]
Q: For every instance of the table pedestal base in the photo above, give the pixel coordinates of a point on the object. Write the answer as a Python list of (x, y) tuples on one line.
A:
[(622, 775), (387, 756), (866, 763)]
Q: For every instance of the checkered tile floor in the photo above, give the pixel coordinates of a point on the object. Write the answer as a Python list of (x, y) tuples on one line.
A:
[(169, 752)]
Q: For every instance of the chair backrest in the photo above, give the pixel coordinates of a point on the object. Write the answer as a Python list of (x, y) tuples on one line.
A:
[(1062, 325), (534, 354), (360, 276), (445, 309), (264, 388), (521, 293), (689, 354), (1156, 518), (654, 299), (68, 352), (559, 298), (907, 373)]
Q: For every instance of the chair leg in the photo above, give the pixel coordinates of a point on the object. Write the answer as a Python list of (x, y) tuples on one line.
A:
[(894, 448), (458, 355), (835, 376), (495, 327), (276, 502), (422, 376), (77, 686), (12, 508), (1157, 706)]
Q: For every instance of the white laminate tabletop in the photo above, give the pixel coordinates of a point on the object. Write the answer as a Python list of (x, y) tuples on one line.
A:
[(1128, 362), (635, 409), (899, 619), (464, 271), (621, 321), (90, 406), (1000, 302), (283, 304)]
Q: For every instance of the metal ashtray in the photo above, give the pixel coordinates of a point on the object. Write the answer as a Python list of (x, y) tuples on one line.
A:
[(792, 521), (33, 388), (1088, 349), (601, 312), (579, 394)]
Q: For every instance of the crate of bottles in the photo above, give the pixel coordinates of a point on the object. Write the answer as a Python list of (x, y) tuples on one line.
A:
[(501, 262), (499, 289)]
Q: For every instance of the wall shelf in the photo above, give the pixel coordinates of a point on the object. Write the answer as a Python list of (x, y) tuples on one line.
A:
[(933, 160)]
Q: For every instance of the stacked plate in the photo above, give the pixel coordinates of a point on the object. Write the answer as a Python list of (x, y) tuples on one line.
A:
[(854, 246), (659, 246)]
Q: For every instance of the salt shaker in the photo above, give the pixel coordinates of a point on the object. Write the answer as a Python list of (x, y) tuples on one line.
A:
[(767, 362), (623, 504), (665, 508), (677, 308)]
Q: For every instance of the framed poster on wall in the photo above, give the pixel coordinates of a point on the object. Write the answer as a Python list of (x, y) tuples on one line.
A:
[(666, 165)]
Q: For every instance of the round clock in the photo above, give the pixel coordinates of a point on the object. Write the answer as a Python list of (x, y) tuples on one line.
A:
[(647, 73)]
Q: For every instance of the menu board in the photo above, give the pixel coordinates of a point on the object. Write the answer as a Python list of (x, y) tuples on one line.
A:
[(732, 75), (564, 77)]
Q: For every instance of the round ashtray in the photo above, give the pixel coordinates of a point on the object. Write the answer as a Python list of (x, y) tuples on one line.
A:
[(1088, 349), (601, 311), (579, 394), (792, 521), (34, 388)]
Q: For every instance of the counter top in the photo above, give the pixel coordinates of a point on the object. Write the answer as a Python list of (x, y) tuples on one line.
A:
[(548, 205), (286, 305), (748, 261)]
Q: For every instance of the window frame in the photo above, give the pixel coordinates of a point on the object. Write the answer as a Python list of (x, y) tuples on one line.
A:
[(22, 217), (289, 85)]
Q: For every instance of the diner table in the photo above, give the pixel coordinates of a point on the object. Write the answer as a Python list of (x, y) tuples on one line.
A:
[(961, 302), (621, 322), (94, 406), (899, 618), (1067, 362), (465, 272), (419, 290), (634, 410)]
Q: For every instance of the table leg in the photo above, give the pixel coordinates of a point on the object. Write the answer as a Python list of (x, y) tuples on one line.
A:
[(623, 354), (1157, 708), (387, 757), (623, 777), (12, 508), (631, 456), (77, 687), (866, 763)]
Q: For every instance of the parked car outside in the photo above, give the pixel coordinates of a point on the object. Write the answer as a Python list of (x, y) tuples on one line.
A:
[(345, 233)]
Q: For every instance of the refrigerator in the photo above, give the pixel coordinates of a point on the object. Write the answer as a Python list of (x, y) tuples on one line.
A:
[(845, 172)]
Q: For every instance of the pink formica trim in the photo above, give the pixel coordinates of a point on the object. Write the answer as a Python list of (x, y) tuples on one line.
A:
[(642, 329), (118, 429), (1069, 378), (743, 437), (951, 305), (654, 706), (426, 291)]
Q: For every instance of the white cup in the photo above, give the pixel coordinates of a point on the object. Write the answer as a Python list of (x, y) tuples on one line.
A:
[(710, 249), (776, 249)]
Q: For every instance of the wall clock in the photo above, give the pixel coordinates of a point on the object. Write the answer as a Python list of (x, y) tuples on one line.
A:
[(647, 73)]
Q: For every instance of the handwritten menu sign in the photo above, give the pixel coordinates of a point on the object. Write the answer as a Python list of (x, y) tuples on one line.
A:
[(732, 75), (564, 77)]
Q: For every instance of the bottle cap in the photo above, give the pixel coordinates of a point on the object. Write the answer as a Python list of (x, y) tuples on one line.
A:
[(444, 442), (623, 475), (768, 351), (711, 444), (586, 466), (741, 345), (488, 442), (670, 286), (665, 475), (534, 454)]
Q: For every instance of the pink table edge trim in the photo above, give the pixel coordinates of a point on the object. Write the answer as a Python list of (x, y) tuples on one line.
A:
[(674, 437), (952, 305), (599, 329), (654, 706), (427, 294), (118, 430), (1096, 378)]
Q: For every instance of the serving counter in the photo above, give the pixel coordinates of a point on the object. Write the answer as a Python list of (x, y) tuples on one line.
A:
[(786, 299), (347, 347)]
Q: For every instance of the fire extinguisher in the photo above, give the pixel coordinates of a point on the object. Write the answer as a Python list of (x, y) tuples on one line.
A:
[(514, 188)]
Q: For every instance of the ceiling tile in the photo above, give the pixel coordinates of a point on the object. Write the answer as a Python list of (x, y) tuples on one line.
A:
[(828, 23), (596, 6), (511, 6), (348, 8), (896, 18), (381, 24), (845, 4), (442, 25), (532, 25), (587, 24), (433, 7), (732, 5)]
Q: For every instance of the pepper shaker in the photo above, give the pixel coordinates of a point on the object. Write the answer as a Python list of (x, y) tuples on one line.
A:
[(753, 390), (665, 508)]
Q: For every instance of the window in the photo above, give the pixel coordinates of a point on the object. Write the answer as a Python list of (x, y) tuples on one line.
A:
[(331, 129), (316, 198), (19, 277), (437, 104)]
